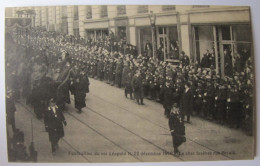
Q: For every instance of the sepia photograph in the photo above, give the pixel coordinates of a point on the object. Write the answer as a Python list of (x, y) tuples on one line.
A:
[(129, 83)]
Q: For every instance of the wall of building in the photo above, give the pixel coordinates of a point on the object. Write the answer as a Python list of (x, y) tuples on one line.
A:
[(184, 17)]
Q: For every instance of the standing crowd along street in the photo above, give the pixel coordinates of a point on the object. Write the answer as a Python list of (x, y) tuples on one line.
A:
[(46, 67)]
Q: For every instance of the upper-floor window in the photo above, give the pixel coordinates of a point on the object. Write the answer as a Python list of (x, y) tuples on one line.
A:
[(166, 8), (121, 10), (142, 9), (103, 11), (76, 13), (88, 12), (64, 11)]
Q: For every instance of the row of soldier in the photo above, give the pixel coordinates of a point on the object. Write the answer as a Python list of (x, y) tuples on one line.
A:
[(210, 92)]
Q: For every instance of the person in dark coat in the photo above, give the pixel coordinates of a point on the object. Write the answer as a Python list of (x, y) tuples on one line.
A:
[(54, 121), (167, 98), (128, 87), (198, 100), (186, 104), (221, 98), (10, 108), (184, 59), (118, 72), (38, 99), (228, 63), (79, 88), (137, 86), (177, 129), (235, 112)]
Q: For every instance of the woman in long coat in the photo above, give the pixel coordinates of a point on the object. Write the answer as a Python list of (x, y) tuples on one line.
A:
[(80, 88)]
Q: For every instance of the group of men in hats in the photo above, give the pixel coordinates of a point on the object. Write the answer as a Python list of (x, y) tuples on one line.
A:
[(52, 63)]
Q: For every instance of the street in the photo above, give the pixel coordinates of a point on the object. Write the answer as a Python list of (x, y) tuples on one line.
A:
[(113, 128)]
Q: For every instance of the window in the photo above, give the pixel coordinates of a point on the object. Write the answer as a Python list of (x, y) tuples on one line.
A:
[(88, 12), (76, 13), (200, 6), (54, 14), (64, 11), (142, 9), (222, 41), (121, 10), (103, 11), (204, 40), (167, 8)]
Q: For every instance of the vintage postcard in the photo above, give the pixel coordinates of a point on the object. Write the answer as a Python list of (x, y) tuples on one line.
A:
[(129, 83)]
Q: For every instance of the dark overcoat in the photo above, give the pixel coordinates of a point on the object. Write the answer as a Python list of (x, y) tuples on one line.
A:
[(177, 129), (186, 102), (167, 93), (138, 87), (54, 123), (79, 94)]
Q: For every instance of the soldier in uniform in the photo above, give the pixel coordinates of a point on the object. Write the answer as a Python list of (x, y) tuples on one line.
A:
[(220, 99), (100, 69), (235, 112), (198, 102), (177, 129), (137, 87), (54, 120), (118, 72), (128, 87), (111, 71)]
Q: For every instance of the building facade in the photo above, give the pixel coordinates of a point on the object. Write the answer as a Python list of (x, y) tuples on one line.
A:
[(192, 29)]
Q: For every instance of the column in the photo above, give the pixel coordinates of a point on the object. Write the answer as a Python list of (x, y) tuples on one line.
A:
[(70, 20), (185, 40), (132, 32), (82, 17)]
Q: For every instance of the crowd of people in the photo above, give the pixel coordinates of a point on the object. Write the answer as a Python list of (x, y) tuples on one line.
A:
[(51, 65)]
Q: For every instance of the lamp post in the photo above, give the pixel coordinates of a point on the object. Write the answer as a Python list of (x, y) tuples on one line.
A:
[(152, 18)]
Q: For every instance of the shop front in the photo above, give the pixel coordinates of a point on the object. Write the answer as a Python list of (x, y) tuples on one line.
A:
[(96, 34), (229, 46)]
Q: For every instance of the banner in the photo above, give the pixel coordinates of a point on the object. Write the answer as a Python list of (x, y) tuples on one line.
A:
[(18, 22)]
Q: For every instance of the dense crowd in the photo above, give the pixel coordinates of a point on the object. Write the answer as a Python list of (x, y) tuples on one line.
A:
[(45, 55)]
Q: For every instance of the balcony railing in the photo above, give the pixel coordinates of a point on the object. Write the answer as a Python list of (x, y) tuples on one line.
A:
[(200, 6), (167, 8)]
